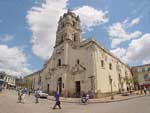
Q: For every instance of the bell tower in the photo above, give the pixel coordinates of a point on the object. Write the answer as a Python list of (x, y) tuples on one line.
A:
[(68, 29)]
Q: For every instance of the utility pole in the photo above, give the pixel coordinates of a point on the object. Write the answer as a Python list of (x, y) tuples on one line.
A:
[(110, 81), (92, 82)]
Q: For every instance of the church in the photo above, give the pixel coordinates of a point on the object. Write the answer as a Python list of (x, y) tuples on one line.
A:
[(79, 66)]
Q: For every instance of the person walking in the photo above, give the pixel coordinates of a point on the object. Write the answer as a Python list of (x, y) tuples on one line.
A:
[(19, 95), (29, 92), (37, 96), (145, 90), (57, 101), (24, 92)]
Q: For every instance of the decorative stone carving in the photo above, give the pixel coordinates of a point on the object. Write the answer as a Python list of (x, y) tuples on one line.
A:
[(78, 68)]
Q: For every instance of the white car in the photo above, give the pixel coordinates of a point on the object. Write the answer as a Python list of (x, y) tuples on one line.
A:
[(124, 93), (43, 94)]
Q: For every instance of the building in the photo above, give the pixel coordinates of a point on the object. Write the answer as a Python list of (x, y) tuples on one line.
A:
[(141, 75), (2, 76), (34, 81), (18, 82), (78, 66), (7, 81), (10, 81)]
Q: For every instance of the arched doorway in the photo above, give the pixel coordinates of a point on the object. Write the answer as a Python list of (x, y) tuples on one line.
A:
[(78, 88), (59, 85)]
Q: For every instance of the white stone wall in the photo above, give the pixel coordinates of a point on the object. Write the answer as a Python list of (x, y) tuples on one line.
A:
[(84, 57), (103, 73)]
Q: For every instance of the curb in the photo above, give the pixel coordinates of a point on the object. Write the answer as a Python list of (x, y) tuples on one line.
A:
[(107, 101), (119, 100)]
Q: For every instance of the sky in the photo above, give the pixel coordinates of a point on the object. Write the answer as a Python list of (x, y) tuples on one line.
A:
[(28, 30)]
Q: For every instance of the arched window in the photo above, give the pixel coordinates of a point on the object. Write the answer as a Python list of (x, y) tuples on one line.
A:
[(62, 25), (110, 66), (39, 80), (78, 61), (74, 24), (59, 62), (102, 63), (74, 37)]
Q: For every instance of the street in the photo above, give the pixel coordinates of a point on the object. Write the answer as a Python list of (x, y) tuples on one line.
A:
[(9, 104)]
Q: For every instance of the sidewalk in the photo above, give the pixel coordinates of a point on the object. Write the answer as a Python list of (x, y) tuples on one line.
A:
[(117, 98)]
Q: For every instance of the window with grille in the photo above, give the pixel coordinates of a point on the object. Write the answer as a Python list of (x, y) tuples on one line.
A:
[(110, 66)]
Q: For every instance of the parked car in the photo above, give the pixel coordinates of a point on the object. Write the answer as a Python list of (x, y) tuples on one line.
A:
[(124, 93), (43, 94)]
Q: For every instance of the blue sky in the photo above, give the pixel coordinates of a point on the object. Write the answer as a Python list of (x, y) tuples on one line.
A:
[(27, 30)]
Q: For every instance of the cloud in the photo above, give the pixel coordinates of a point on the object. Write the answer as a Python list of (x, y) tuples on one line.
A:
[(134, 22), (91, 17), (119, 52), (13, 61), (138, 50), (43, 22), (6, 38), (146, 61), (118, 32)]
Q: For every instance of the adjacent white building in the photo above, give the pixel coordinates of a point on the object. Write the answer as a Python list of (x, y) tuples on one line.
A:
[(9, 81), (141, 75)]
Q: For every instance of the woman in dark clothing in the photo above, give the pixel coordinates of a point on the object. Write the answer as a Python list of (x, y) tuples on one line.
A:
[(57, 96)]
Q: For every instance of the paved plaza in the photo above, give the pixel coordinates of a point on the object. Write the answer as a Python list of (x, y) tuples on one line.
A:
[(8, 104)]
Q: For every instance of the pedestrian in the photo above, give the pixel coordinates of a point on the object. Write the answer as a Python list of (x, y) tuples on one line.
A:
[(127, 89), (29, 92), (24, 92), (87, 96), (19, 95), (37, 96), (145, 90), (57, 101)]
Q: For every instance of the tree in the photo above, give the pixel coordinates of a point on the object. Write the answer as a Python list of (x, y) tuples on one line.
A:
[(26, 82)]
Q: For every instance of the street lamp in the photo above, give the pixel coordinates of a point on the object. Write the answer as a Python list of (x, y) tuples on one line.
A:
[(110, 81), (58, 83), (92, 79), (92, 82)]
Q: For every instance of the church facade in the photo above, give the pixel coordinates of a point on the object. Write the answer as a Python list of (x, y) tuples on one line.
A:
[(78, 66)]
